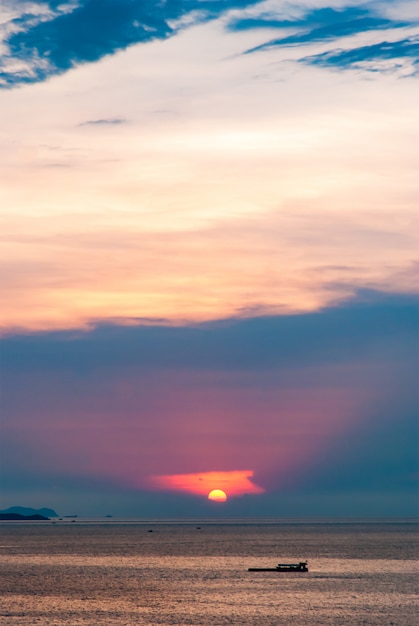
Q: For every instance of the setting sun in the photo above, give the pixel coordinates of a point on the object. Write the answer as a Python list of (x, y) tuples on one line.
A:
[(235, 483), (217, 495)]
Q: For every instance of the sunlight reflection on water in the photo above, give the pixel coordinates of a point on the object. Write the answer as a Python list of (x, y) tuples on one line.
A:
[(121, 574)]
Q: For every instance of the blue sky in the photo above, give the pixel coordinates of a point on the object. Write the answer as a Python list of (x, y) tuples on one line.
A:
[(53, 37)]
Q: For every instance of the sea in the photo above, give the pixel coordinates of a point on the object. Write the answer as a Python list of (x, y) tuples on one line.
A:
[(195, 572)]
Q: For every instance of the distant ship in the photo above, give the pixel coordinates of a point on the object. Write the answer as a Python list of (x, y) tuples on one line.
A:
[(282, 567)]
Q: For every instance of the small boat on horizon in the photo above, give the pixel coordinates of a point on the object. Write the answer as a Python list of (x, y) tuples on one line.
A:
[(302, 566)]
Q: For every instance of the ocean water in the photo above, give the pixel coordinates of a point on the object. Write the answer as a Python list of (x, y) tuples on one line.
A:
[(196, 574)]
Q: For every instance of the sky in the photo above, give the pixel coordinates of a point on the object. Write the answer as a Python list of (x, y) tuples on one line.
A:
[(209, 245)]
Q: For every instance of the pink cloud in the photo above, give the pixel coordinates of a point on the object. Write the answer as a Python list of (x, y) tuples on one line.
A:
[(233, 483)]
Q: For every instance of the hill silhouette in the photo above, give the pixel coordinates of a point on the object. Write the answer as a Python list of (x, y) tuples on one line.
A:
[(18, 517), (28, 511)]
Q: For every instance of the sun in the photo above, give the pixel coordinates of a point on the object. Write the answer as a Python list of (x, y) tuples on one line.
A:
[(217, 495)]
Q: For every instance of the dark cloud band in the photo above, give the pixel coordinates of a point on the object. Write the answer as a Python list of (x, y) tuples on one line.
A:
[(340, 384)]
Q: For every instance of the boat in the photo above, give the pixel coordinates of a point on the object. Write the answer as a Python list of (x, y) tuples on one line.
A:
[(282, 567)]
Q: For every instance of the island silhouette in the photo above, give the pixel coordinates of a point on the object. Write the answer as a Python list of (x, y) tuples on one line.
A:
[(26, 513)]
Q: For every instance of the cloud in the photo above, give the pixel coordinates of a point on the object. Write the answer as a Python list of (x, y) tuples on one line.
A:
[(283, 261), (114, 121), (41, 44), (326, 24), (308, 403), (318, 25), (44, 39), (234, 483), (259, 342), (91, 30), (369, 57)]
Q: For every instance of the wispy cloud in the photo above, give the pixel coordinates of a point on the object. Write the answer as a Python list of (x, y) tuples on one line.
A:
[(317, 25), (386, 55), (112, 121), (328, 25), (44, 40)]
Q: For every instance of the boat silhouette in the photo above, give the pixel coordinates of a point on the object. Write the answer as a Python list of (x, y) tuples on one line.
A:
[(282, 567)]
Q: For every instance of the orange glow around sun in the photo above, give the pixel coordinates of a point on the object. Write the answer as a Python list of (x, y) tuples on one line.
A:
[(235, 483)]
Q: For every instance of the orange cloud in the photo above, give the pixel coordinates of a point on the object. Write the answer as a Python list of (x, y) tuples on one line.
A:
[(235, 483), (191, 216)]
